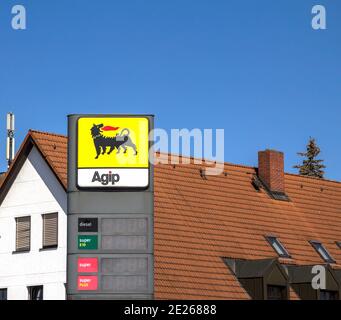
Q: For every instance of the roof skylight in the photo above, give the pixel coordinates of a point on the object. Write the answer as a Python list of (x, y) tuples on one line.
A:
[(277, 246), (322, 251)]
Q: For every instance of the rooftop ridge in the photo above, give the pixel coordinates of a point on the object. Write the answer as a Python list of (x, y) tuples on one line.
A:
[(205, 160), (48, 133), (311, 178)]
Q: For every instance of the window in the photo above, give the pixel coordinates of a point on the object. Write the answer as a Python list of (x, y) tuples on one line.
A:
[(276, 292), (322, 251), (35, 293), (23, 234), (329, 295), (277, 246), (50, 230), (3, 294), (338, 243)]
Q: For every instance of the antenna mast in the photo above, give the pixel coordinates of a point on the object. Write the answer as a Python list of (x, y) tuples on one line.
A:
[(10, 146)]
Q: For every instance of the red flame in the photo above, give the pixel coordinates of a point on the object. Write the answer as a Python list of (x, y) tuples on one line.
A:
[(109, 128)]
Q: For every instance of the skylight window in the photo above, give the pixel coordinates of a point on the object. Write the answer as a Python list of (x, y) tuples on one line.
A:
[(338, 243), (277, 246), (322, 251)]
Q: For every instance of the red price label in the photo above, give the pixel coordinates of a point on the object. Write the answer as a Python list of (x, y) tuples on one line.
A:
[(87, 283), (87, 265)]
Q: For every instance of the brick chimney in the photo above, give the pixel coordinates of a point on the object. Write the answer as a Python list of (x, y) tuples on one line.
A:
[(271, 169)]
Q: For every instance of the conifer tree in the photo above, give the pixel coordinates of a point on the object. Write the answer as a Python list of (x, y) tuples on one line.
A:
[(311, 166)]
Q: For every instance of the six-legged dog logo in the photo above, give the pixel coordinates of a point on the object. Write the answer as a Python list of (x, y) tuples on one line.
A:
[(122, 140)]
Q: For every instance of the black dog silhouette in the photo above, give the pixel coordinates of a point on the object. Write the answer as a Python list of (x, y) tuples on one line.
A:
[(121, 140)]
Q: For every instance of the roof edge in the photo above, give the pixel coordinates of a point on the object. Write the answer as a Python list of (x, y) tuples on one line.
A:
[(19, 159), (45, 156), (47, 133)]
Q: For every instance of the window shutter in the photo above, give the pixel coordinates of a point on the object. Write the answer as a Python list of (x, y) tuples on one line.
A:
[(50, 230), (23, 233)]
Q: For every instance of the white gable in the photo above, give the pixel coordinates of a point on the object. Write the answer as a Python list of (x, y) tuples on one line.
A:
[(34, 192)]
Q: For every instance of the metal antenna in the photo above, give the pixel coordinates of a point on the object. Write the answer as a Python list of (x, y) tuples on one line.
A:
[(10, 146)]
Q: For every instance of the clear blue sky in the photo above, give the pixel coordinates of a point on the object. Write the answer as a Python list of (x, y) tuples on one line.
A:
[(255, 68)]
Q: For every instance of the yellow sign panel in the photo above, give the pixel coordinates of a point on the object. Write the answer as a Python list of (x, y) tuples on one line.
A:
[(113, 142)]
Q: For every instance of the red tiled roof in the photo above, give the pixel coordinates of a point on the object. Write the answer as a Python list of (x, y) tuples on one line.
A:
[(198, 221), (54, 149)]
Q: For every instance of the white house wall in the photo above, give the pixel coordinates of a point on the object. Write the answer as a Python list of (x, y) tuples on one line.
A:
[(35, 191)]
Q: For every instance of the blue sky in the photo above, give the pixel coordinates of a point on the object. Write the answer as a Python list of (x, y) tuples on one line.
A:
[(255, 68)]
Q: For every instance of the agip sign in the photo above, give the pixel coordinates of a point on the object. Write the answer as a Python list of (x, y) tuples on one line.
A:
[(113, 152), (110, 195)]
